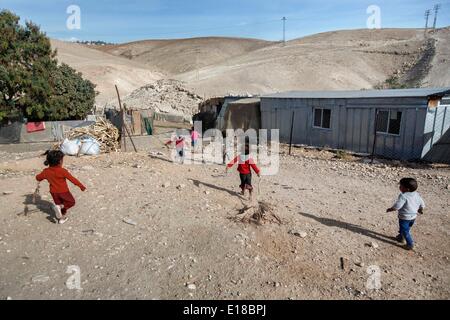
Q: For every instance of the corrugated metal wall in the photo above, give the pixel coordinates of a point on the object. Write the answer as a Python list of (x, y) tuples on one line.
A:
[(437, 135), (352, 124)]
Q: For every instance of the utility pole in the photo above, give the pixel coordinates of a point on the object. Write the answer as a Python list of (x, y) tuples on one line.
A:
[(436, 10), (427, 16), (284, 30)]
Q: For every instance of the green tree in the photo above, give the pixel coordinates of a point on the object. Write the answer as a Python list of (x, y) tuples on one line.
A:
[(32, 84), (73, 96)]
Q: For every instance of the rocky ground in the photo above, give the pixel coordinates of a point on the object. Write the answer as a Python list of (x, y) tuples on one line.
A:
[(150, 229)]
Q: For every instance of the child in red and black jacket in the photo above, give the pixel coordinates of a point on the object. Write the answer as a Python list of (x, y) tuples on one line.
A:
[(56, 176), (245, 166)]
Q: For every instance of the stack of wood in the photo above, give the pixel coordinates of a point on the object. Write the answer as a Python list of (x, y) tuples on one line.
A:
[(103, 131)]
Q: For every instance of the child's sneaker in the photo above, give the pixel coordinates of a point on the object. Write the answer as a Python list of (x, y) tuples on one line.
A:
[(400, 238), (63, 220), (409, 247), (57, 210)]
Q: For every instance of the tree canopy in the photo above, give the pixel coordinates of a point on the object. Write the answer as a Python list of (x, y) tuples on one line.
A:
[(32, 84)]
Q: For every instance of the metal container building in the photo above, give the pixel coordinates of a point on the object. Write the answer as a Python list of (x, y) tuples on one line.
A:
[(404, 124)]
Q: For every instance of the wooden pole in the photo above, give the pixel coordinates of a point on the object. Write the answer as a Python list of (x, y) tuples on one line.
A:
[(292, 132), (374, 136), (124, 125)]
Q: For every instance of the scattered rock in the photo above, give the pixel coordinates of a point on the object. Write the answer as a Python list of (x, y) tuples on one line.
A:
[(301, 234), (166, 184), (40, 278), (87, 168), (6, 193), (130, 222), (191, 286), (373, 245), (181, 186), (8, 298)]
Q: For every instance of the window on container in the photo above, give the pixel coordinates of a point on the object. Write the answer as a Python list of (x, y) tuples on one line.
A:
[(389, 122), (322, 118)]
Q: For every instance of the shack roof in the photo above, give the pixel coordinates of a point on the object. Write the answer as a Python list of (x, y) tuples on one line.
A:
[(360, 94), (246, 101)]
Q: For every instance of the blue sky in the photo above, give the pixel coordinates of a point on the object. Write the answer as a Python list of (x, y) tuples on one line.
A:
[(128, 20)]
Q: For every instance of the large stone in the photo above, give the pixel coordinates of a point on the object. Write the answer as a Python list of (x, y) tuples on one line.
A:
[(191, 286), (130, 222), (301, 234)]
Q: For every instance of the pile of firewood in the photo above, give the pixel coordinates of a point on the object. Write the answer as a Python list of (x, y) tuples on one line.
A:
[(103, 131)]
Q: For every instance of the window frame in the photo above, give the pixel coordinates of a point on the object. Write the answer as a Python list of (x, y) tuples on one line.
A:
[(321, 118), (444, 99), (387, 133)]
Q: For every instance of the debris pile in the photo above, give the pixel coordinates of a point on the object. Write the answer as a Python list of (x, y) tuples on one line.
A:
[(103, 131), (164, 96), (259, 214)]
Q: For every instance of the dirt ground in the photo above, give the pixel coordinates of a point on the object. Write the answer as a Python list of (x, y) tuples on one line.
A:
[(150, 229)]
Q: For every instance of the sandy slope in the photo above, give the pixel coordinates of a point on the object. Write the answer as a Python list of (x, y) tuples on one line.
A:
[(352, 59), (177, 56), (336, 60), (105, 70), (439, 75)]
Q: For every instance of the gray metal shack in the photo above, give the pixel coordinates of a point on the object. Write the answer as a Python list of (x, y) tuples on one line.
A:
[(405, 124)]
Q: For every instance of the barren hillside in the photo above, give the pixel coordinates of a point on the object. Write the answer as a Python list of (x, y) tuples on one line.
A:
[(352, 59), (105, 70), (439, 75), (177, 56), (335, 60)]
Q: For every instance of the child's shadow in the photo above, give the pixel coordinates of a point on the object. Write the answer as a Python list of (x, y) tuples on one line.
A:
[(40, 204), (198, 183)]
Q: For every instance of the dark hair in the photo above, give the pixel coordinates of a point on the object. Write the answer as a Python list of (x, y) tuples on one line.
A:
[(54, 157), (409, 183), (247, 149)]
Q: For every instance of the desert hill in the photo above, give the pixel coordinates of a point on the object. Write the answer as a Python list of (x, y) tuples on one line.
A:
[(105, 70), (172, 57), (349, 59)]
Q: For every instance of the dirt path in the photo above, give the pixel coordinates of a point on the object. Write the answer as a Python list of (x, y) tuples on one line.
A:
[(183, 235)]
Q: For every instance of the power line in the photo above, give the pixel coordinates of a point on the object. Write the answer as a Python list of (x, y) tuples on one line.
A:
[(427, 16), (436, 10)]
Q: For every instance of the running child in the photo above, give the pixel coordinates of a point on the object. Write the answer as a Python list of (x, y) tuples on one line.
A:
[(408, 204), (194, 138), (179, 146), (245, 166), (57, 177)]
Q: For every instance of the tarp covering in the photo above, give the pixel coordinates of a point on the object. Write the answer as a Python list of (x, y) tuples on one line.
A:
[(243, 114)]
